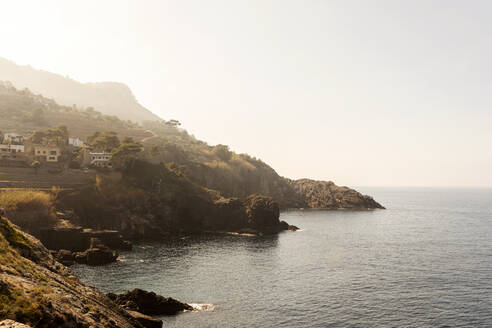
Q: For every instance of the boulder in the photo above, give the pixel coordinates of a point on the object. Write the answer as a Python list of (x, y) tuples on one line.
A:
[(100, 256), (12, 324), (65, 257), (145, 320), (77, 239), (149, 303), (292, 228), (97, 254)]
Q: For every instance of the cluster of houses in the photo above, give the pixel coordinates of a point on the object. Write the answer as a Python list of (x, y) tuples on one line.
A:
[(18, 150)]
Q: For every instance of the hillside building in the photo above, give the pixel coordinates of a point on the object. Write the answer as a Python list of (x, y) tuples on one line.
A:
[(97, 158), (76, 142), (13, 138), (47, 153), (8, 152)]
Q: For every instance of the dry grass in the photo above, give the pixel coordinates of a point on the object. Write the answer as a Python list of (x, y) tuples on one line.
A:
[(28, 208), (22, 200)]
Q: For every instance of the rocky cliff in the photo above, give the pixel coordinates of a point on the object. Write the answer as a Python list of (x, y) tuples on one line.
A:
[(152, 200), (327, 195), (38, 291)]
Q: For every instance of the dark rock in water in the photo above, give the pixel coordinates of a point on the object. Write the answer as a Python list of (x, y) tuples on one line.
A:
[(262, 211), (77, 239), (65, 257), (149, 303), (145, 320), (284, 225), (97, 254), (293, 228), (80, 257)]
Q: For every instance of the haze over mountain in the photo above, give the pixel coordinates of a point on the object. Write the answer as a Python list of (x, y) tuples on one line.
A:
[(110, 98)]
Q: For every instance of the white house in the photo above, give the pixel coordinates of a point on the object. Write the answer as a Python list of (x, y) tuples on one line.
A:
[(13, 138), (11, 151), (11, 148), (76, 142), (101, 159)]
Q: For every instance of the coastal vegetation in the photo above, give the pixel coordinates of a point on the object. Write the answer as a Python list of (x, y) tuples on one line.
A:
[(160, 141), (38, 291), (29, 208)]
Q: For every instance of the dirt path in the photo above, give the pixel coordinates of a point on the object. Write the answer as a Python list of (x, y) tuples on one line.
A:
[(154, 135)]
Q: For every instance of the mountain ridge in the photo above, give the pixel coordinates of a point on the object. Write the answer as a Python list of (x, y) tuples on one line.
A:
[(110, 98)]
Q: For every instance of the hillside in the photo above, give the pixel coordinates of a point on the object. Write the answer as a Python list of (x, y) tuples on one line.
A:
[(38, 291), (24, 112), (212, 167), (109, 98)]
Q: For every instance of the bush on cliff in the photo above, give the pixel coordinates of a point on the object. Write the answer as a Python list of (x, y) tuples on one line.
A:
[(27, 208)]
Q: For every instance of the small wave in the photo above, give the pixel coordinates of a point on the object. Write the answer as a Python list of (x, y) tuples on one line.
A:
[(202, 307), (244, 234), (145, 246)]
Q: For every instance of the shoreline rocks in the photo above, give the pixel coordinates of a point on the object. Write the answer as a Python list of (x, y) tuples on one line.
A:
[(145, 320), (41, 292), (96, 254), (149, 303), (77, 239)]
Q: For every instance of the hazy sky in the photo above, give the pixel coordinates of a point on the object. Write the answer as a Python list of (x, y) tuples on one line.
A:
[(364, 93)]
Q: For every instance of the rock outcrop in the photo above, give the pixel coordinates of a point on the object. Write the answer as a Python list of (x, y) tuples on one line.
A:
[(12, 324), (96, 254), (168, 203), (77, 239), (145, 320), (327, 195), (149, 303), (38, 291)]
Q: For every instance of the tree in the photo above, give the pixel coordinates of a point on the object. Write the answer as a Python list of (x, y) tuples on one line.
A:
[(128, 140), (223, 152), (155, 150), (107, 140), (125, 155), (174, 123), (58, 135)]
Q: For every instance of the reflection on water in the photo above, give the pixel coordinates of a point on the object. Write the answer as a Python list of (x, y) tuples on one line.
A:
[(424, 262)]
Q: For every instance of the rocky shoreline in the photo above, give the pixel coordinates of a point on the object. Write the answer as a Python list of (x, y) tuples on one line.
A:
[(38, 291)]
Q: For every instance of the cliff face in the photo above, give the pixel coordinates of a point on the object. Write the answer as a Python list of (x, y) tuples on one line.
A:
[(38, 291), (151, 200), (325, 194), (303, 193), (260, 179), (107, 97)]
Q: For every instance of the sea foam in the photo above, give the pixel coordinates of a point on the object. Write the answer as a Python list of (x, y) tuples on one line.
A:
[(202, 307)]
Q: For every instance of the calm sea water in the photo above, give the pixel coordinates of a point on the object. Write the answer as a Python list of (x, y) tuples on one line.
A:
[(426, 261)]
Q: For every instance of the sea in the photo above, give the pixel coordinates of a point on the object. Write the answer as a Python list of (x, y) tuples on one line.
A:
[(425, 261)]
